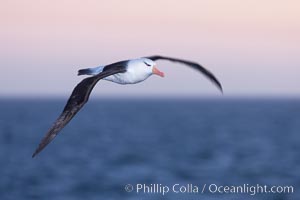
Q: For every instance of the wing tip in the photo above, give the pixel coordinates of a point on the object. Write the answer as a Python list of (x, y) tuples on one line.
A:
[(220, 88), (216, 82), (45, 141), (37, 151), (34, 154)]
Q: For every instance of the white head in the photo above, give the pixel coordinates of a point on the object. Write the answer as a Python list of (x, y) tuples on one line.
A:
[(151, 67)]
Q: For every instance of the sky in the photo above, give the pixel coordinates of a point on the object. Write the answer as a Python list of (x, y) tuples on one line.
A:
[(253, 47)]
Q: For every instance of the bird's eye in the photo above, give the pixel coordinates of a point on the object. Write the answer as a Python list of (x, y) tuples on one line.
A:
[(147, 64)]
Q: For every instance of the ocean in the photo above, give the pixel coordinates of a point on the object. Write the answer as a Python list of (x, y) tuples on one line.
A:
[(152, 149)]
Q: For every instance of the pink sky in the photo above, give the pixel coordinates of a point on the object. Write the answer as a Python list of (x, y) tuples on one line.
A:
[(253, 47)]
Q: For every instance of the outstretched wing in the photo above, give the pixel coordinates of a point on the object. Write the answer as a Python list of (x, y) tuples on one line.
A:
[(196, 66), (78, 98)]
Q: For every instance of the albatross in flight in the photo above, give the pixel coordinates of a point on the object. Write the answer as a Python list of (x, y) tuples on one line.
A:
[(123, 72)]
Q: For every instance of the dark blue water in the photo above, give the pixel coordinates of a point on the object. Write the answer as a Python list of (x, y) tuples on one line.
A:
[(111, 143)]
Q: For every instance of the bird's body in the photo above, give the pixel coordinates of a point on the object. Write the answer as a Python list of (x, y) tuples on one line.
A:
[(135, 71), (123, 72)]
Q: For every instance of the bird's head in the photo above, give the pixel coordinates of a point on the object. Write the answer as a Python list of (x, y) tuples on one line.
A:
[(151, 67)]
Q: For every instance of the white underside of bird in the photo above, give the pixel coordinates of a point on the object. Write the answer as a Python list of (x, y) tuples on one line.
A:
[(137, 70)]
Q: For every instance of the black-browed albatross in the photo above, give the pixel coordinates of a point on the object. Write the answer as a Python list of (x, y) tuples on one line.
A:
[(124, 72)]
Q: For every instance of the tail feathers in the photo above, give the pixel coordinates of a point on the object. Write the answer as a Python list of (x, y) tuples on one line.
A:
[(84, 72), (90, 71)]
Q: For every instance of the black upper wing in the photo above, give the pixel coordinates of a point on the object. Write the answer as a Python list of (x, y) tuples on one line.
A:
[(78, 98), (196, 66)]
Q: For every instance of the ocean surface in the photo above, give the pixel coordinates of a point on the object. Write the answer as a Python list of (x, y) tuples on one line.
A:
[(153, 145)]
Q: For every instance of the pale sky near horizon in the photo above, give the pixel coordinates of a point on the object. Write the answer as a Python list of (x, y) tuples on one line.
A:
[(253, 47)]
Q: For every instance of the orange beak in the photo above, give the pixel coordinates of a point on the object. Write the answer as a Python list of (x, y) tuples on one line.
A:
[(157, 72)]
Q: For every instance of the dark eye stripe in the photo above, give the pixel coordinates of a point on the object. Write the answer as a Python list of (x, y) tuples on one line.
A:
[(147, 64)]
